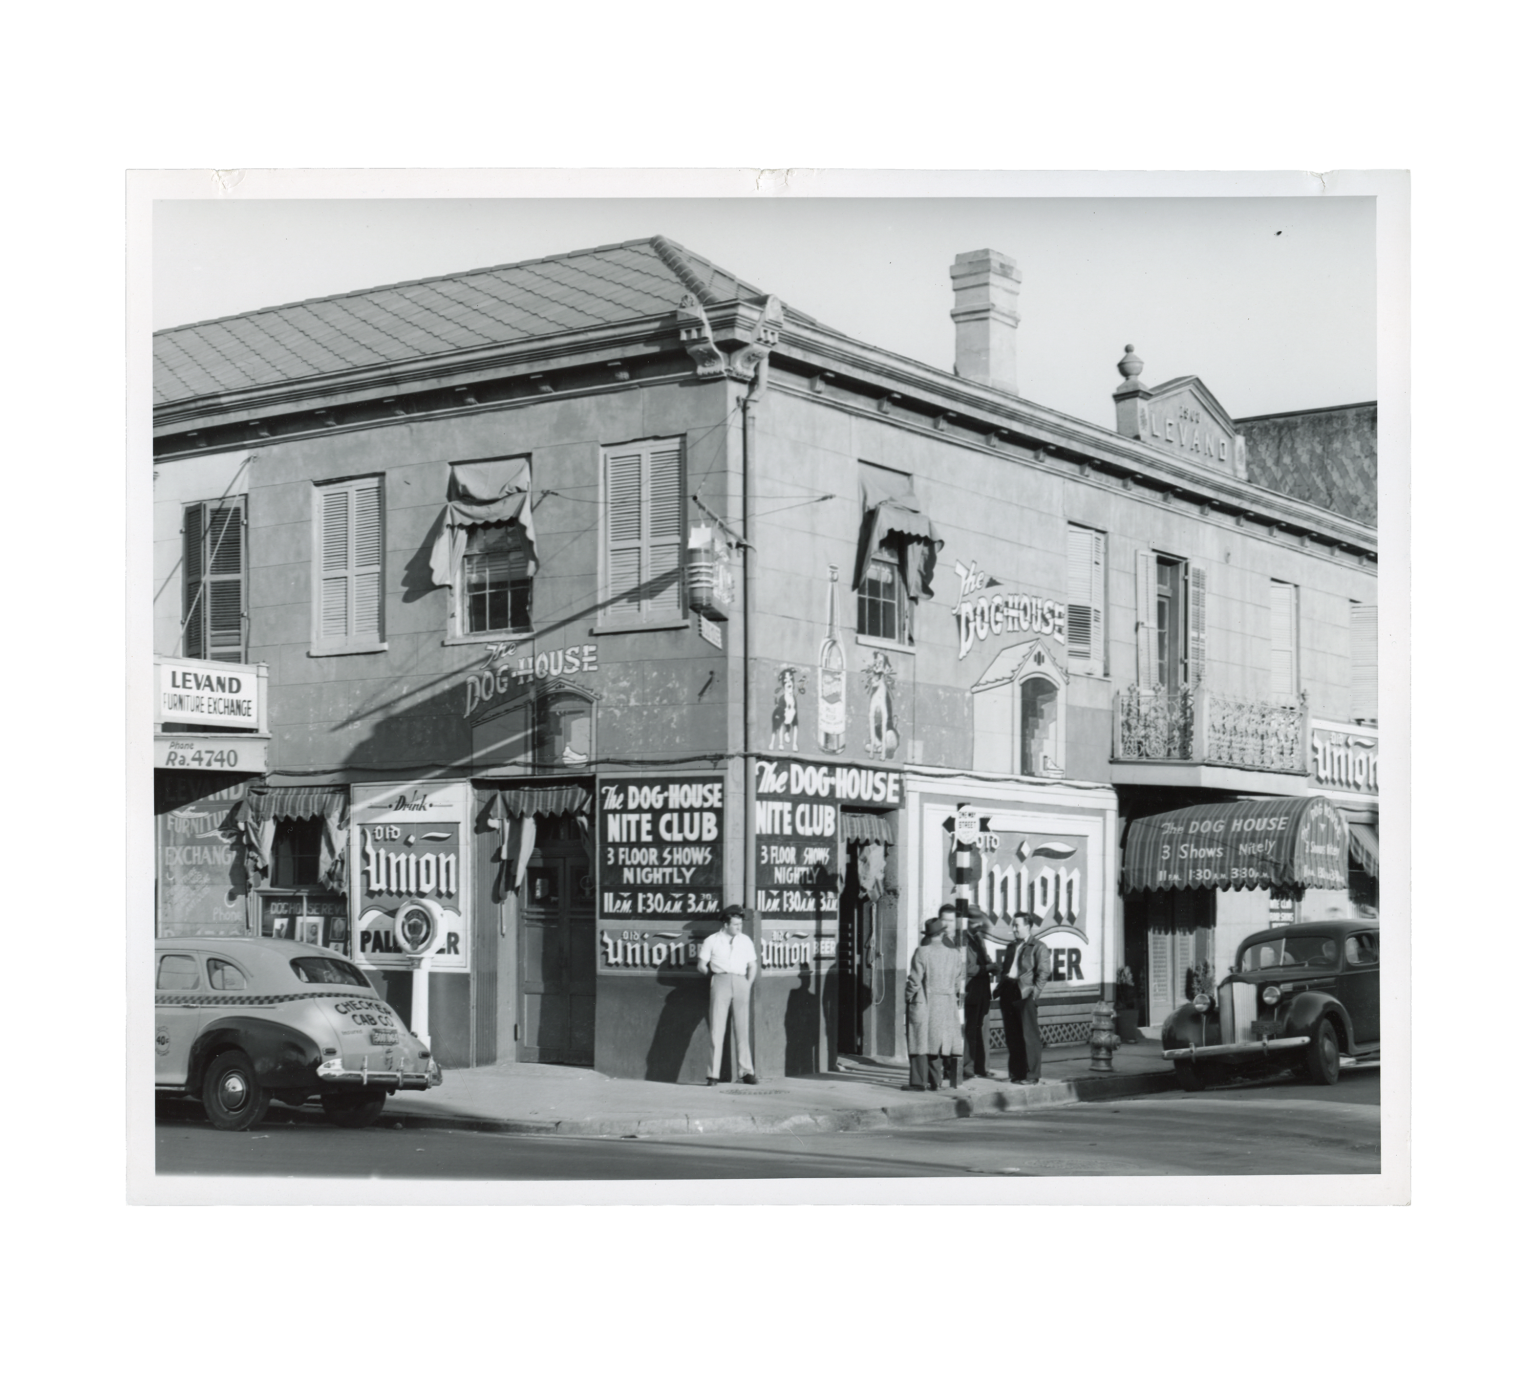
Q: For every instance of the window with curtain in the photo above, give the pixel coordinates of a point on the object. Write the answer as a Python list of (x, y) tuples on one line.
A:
[(883, 601), (1283, 684), (896, 555), (213, 586), (349, 566), (643, 533), (496, 584)]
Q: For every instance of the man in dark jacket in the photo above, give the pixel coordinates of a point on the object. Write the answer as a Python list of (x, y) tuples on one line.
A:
[(1025, 968), (981, 972)]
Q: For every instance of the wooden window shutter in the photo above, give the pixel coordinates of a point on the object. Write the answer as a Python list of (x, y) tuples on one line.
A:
[(644, 504), (192, 605), (351, 558), (664, 540), (1146, 618), (213, 558), (1282, 640), (1085, 597), (1097, 660), (1197, 609), (626, 528), (1362, 662), (335, 508), (367, 563)]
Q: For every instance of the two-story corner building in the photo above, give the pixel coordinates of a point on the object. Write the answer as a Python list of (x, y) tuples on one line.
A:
[(596, 591)]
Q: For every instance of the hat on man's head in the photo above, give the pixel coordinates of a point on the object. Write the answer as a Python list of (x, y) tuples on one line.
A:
[(934, 926), (735, 910)]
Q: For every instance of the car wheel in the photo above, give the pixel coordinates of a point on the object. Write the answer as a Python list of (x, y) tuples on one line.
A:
[(232, 1097), (1189, 1076), (352, 1108), (1323, 1054)]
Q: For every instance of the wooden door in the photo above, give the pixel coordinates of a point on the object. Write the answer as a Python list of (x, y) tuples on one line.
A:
[(557, 963)]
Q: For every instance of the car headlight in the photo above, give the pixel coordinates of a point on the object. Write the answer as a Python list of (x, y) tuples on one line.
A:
[(1271, 995), (1202, 1002)]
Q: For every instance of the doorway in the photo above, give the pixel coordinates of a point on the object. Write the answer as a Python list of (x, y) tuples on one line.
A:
[(557, 949), (1167, 935)]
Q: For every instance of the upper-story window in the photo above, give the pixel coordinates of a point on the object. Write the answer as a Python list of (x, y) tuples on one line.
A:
[(1085, 599), (349, 566), (213, 544), (897, 553), (883, 599), (496, 588), (1170, 620), (1283, 662), (485, 551), (1362, 662), (643, 533)]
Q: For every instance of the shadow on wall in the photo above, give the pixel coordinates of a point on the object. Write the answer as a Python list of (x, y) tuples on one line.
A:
[(683, 1012), (800, 1026)]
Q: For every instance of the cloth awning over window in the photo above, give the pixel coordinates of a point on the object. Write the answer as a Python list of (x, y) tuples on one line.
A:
[(1365, 848), (1291, 842), (546, 801), (265, 806), (519, 808), (893, 517), (481, 493), (860, 827)]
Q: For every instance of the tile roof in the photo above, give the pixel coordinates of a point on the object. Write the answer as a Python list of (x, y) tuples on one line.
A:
[(436, 316), (1326, 456)]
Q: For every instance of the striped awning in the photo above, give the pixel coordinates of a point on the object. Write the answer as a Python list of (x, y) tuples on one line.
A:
[(297, 803), (860, 826), (546, 801), (1291, 842), (1365, 847)]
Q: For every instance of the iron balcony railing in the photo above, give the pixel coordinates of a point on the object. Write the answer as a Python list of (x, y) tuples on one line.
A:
[(1193, 724)]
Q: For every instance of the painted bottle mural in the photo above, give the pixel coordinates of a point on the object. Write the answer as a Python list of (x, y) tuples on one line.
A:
[(832, 679)]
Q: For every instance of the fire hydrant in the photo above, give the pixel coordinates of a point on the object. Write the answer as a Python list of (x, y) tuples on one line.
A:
[(1102, 1040)]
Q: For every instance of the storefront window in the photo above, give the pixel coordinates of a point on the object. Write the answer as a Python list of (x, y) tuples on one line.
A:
[(296, 853)]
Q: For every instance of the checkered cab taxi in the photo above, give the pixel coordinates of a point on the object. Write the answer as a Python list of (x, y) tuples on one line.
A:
[(239, 1022)]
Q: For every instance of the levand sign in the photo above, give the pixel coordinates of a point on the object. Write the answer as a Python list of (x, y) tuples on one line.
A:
[(209, 693)]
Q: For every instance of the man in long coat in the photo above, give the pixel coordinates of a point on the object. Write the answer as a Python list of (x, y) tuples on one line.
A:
[(935, 986)]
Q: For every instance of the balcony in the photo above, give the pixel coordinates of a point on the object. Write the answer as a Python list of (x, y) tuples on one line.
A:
[(1193, 724)]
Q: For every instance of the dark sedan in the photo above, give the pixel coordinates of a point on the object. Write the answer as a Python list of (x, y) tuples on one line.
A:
[(1307, 997)]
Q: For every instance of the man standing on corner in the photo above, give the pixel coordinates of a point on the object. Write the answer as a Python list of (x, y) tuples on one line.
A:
[(1026, 966), (731, 962)]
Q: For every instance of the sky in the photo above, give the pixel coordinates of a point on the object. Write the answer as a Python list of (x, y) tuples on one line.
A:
[(1270, 300)]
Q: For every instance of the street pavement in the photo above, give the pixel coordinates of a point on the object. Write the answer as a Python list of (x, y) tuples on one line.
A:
[(1279, 1126), (861, 1094)]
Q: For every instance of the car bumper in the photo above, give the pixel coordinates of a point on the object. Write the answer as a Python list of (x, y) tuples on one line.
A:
[(333, 1073), (1236, 1048)]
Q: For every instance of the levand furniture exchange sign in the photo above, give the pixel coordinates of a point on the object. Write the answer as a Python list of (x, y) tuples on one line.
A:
[(227, 694)]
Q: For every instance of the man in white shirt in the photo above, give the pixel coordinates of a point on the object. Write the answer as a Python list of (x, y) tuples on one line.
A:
[(731, 962)]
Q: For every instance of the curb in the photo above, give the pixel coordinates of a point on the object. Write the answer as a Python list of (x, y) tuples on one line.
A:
[(946, 1108)]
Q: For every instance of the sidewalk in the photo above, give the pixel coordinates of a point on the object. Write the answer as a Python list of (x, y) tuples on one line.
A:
[(575, 1102)]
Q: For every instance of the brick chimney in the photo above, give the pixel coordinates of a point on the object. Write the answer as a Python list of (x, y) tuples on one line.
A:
[(986, 317)]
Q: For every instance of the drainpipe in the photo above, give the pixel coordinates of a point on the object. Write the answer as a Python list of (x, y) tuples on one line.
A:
[(748, 718)]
